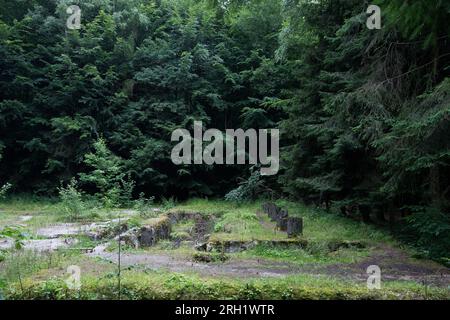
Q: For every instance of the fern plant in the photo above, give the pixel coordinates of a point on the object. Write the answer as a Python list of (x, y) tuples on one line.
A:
[(247, 190)]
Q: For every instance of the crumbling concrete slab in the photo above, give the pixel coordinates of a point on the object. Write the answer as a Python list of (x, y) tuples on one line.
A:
[(40, 245), (48, 244), (59, 230)]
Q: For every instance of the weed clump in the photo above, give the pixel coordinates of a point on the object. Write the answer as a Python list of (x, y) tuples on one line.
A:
[(210, 257), (144, 206), (72, 205)]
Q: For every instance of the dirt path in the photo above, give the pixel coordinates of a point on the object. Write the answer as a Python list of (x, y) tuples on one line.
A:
[(233, 268)]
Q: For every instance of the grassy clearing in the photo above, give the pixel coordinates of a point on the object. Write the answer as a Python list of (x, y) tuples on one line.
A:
[(23, 203), (28, 275), (233, 222), (319, 256), (16, 265), (320, 225), (240, 222)]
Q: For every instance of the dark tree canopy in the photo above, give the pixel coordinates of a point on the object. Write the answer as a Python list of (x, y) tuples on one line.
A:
[(364, 114)]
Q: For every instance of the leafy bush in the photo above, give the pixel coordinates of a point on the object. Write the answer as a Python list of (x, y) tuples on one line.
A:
[(72, 204), (168, 204), (208, 257), (107, 175), (126, 190), (106, 168), (247, 190), (111, 198), (144, 205), (16, 233)]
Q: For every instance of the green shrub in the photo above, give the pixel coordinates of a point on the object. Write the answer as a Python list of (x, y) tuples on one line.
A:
[(107, 176), (167, 204), (72, 204), (429, 230), (111, 198), (144, 206), (208, 257), (249, 189), (126, 187), (16, 233)]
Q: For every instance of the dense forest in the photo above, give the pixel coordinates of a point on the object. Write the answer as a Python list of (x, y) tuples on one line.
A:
[(364, 115)]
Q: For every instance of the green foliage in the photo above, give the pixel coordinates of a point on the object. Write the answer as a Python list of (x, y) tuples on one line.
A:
[(237, 222), (72, 205), (42, 274), (111, 198), (16, 233), (144, 206), (4, 190), (418, 20), (131, 75), (106, 168), (363, 113), (162, 286), (430, 231), (367, 113), (248, 190), (17, 265), (108, 177), (208, 257), (167, 204), (127, 187)]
